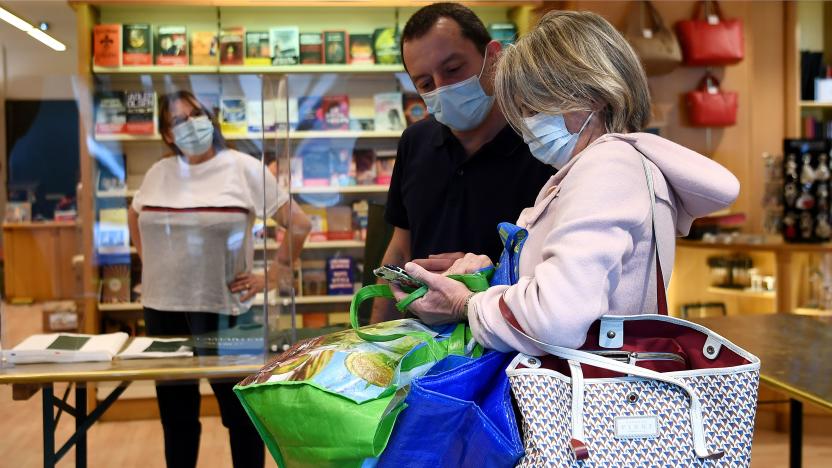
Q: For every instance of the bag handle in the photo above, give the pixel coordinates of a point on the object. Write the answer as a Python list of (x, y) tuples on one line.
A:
[(697, 12), (636, 23), (708, 79), (457, 344)]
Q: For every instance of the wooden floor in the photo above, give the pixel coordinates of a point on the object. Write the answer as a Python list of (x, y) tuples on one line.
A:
[(138, 444)]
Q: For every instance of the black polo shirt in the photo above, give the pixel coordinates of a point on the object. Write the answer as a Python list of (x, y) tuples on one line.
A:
[(451, 202)]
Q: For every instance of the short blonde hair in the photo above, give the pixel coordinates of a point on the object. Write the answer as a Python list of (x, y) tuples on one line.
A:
[(573, 61)]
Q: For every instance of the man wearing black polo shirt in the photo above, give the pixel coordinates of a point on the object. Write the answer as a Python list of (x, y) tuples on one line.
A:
[(462, 170)]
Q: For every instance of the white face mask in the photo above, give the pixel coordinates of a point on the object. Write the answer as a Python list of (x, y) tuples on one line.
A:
[(549, 140), (194, 136), (461, 106)]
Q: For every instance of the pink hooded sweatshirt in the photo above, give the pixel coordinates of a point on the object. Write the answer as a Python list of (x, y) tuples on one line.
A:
[(590, 249)]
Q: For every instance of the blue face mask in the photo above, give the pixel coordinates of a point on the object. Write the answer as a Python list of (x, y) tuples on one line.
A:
[(461, 106), (194, 136), (549, 140)]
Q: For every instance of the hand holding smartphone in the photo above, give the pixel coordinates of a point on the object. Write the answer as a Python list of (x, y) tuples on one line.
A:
[(396, 274)]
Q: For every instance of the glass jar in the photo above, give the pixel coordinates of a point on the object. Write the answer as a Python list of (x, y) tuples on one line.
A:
[(740, 266), (720, 271)]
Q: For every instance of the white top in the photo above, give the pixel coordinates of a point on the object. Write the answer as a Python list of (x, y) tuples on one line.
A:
[(195, 224)]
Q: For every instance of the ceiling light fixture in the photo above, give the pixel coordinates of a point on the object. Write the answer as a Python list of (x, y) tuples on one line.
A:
[(32, 31)]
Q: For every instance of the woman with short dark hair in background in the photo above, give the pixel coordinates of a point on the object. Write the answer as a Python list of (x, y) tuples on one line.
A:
[(191, 222)]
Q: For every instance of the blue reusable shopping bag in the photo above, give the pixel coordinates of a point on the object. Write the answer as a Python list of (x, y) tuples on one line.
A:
[(460, 414)]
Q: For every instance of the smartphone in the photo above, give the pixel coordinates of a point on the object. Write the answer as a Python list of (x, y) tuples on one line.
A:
[(396, 274)]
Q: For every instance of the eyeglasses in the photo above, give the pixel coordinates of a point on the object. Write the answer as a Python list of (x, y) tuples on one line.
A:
[(178, 119)]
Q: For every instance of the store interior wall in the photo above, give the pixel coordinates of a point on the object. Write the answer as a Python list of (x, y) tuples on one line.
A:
[(759, 79), (29, 69)]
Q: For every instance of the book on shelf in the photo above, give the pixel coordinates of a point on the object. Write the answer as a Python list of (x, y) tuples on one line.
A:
[(384, 170), (365, 166), (137, 48), (336, 47), (296, 172), (361, 49), (115, 284), (231, 46), (318, 222), (386, 46), (389, 115), (141, 112), (339, 276), (361, 216), (261, 116), (204, 48), (313, 277), (316, 163), (414, 108), (284, 43), (233, 115), (111, 233), (257, 48), (145, 347), (309, 117), (106, 49), (335, 111), (18, 212), (111, 171), (311, 48), (504, 33), (67, 347), (110, 112), (339, 223), (341, 167), (172, 45), (286, 110)]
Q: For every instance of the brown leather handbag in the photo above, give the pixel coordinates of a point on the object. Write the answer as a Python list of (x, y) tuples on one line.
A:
[(654, 42)]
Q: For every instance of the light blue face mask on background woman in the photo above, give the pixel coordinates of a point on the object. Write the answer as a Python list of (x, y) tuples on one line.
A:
[(461, 106), (194, 136), (549, 140)]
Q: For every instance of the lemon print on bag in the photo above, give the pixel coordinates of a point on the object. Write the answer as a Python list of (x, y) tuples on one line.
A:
[(375, 368)]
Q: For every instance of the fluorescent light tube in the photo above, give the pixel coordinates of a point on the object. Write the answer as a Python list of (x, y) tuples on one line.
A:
[(46, 39), (13, 20)]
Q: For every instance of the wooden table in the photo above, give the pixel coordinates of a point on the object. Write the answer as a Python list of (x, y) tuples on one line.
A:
[(27, 379), (796, 359)]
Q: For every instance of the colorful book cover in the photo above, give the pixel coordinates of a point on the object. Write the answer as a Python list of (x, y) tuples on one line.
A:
[(365, 166), (285, 45), (414, 108), (233, 115), (309, 108), (336, 45), (106, 49), (389, 115), (339, 223), (140, 112), (204, 48), (110, 113), (257, 48), (386, 46), (316, 164), (231, 46), (335, 112), (384, 170), (341, 167), (261, 116), (361, 49), (137, 48), (311, 48), (172, 45), (317, 218), (339, 276), (504, 33)]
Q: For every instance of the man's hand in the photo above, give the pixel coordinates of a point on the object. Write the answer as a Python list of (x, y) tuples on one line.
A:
[(439, 263), (470, 263)]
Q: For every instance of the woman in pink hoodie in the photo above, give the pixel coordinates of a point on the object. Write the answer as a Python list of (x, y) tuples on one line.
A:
[(576, 91)]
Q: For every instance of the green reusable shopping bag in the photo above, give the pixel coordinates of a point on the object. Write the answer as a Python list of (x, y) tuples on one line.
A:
[(332, 401)]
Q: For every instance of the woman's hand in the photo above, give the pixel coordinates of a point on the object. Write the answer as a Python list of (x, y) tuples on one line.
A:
[(248, 282), (444, 301), (470, 263)]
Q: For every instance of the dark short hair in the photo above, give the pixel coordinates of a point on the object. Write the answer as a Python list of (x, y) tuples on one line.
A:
[(165, 103), (426, 17)]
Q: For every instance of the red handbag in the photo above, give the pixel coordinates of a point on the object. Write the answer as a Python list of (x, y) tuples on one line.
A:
[(710, 41), (709, 106)]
